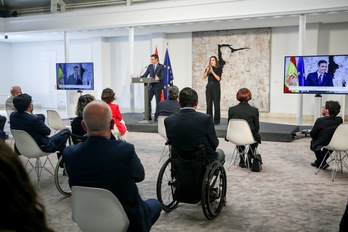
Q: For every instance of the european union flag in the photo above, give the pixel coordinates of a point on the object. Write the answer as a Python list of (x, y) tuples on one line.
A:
[(300, 70), (168, 80)]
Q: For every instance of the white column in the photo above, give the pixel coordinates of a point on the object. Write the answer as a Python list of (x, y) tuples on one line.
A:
[(301, 42), (131, 66)]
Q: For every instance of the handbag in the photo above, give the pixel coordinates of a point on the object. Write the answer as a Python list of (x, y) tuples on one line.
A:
[(257, 163)]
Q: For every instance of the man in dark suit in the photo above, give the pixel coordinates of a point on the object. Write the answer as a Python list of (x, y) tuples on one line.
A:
[(323, 131), (75, 78), (187, 129), (110, 164), (320, 77), (23, 119), (156, 71), (171, 105)]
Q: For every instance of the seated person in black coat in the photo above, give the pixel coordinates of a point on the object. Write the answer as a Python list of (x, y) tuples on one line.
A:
[(110, 164), (250, 114), (188, 128), (24, 119), (323, 131), (171, 105), (76, 126)]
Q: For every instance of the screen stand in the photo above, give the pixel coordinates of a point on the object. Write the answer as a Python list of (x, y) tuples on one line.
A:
[(318, 106)]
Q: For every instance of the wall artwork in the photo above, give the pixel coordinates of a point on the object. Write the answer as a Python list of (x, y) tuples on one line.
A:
[(245, 57)]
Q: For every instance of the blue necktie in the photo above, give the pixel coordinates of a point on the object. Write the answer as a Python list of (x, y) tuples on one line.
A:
[(320, 79)]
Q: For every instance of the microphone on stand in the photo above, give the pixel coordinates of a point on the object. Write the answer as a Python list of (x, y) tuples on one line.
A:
[(143, 70)]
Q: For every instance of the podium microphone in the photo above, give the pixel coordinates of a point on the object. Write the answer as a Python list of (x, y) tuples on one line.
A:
[(143, 70)]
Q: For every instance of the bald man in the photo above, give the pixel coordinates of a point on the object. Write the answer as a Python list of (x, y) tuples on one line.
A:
[(15, 91), (110, 164)]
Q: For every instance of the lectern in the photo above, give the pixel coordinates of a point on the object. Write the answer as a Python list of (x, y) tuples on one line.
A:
[(146, 81)]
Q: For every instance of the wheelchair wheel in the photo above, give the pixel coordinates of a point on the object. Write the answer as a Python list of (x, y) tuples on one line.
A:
[(214, 190), (61, 179), (166, 187)]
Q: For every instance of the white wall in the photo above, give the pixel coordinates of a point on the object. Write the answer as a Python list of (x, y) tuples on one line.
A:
[(31, 65)]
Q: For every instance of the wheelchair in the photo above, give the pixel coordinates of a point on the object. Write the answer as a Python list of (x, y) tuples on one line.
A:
[(185, 178), (61, 178)]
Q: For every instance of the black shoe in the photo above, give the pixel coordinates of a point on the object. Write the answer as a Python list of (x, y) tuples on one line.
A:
[(314, 165), (242, 165), (213, 195), (323, 167)]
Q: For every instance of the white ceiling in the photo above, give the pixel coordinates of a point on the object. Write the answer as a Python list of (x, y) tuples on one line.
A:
[(171, 16)]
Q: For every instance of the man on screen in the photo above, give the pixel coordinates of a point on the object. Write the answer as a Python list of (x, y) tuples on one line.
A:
[(320, 77), (75, 78)]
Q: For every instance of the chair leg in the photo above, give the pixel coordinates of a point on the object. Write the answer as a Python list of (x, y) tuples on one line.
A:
[(234, 157), (321, 164)]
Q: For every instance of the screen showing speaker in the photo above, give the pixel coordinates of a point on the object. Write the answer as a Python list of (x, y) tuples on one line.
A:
[(75, 76), (321, 74)]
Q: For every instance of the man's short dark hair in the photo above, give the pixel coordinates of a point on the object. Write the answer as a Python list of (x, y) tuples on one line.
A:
[(173, 93), (188, 97), (322, 61), (333, 107), (154, 56), (22, 102)]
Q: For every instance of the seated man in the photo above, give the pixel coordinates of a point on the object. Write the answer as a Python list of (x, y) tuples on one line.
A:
[(323, 131), (110, 164), (188, 128), (15, 91), (171, 105), (23, 119)]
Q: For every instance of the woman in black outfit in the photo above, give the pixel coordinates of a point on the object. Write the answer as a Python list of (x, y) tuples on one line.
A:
[(213, 91), (250, 114), (76, 126)]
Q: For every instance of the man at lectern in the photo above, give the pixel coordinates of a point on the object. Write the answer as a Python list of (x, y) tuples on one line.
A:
[(156, 71)]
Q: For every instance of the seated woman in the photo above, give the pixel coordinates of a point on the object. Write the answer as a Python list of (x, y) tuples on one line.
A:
[(251, 114), (171, 105), (108, 96), (76, 126), (21, 209)]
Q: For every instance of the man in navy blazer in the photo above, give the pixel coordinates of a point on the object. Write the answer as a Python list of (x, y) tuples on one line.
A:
[(156, 71), (23, 119), (320, 77), (188, 128), (323, 131), (110, 164)]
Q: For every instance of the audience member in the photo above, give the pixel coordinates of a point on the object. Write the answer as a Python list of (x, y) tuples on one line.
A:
[(76, 124), (110, 164), (323, 131), (171, 105), (21, 208), (250, 114), (344, 221), (15, 91), (108, 96), (188, 129), (2, 126), (23, 119)]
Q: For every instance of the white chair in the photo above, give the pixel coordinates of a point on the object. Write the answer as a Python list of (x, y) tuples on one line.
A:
[(27, 147), (97, 209), (339, 145), (162, 131), (239, 133), (55, 121)]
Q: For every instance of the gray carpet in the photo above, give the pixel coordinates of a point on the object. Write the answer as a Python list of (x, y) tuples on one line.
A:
[(285, 196)]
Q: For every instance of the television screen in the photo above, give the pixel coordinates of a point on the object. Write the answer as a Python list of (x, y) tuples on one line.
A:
[(71, 76), (322, 74)]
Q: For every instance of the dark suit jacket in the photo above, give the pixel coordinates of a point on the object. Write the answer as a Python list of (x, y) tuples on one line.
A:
[(32, 124), (71, 80), (312, 79), (160, 72), (187, 129), (251, 114), (167, 107), (112, 165), (323, 131)]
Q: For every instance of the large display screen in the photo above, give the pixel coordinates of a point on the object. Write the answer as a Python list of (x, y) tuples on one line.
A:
[(322, 74), (75, 76)]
